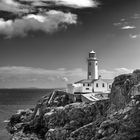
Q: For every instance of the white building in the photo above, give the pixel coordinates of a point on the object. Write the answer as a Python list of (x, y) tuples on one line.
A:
[(94, 83)]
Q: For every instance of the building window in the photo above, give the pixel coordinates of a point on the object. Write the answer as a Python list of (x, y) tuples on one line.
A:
[(97, 85), (88, 85), (110, 86), (103, 85), (87, 88), (83, 84)]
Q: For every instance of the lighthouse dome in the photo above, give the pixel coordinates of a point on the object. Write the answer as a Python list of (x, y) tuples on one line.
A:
[(92, 51), (92, 54)]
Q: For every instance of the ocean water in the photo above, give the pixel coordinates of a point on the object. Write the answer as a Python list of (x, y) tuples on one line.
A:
[(13, 99)]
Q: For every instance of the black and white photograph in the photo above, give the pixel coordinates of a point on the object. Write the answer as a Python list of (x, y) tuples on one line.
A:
[(69, 69)]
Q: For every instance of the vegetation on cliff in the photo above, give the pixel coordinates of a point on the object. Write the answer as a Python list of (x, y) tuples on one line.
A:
[(61, 119)]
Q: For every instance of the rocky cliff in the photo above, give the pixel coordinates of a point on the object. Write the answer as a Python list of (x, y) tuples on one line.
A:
[(58, 118), (121, 91)]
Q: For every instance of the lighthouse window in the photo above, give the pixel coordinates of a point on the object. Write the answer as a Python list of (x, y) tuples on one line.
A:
[(89, 73), (97, 85), (103, 85)]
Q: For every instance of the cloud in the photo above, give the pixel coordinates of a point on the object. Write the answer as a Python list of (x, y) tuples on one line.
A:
[(10, 2), (14, 7), (39, 3), (124, 25), (38, 15), (14, 76), (107, 74), (68, 3), (65, 79), (136, 16), (134, 36), (15, 70), (49, 22), (117, 24), (20, 70), (110, 74), (76, 3), (128, 22), (19, 76), (123, 70), (61, 72), (128, 27), (39, 18), (43, 19)]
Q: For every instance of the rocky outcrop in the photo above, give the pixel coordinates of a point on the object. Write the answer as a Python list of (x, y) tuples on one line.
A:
[(72, 117), (123, 125), (58, 123), (122, 88), (58, 118)]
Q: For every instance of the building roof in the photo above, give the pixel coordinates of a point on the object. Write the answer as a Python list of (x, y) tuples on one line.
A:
[(85, 81), (108, 80), (93, 80)]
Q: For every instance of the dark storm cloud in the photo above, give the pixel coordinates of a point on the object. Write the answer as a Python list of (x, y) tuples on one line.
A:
[(37, 15)]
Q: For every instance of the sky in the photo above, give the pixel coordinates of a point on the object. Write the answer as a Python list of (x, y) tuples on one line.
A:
[(45, 43)]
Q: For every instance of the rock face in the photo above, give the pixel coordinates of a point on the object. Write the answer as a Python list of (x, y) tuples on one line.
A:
[(58, 118), (121, 88)]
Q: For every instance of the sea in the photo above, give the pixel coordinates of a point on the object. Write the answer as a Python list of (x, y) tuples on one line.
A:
[(12, 100)]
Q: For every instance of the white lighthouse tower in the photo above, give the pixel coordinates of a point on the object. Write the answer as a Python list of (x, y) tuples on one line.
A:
[(92, 72)]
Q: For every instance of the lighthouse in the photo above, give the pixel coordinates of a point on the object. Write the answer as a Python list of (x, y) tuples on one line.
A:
[(92, 84), (92, 61)]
